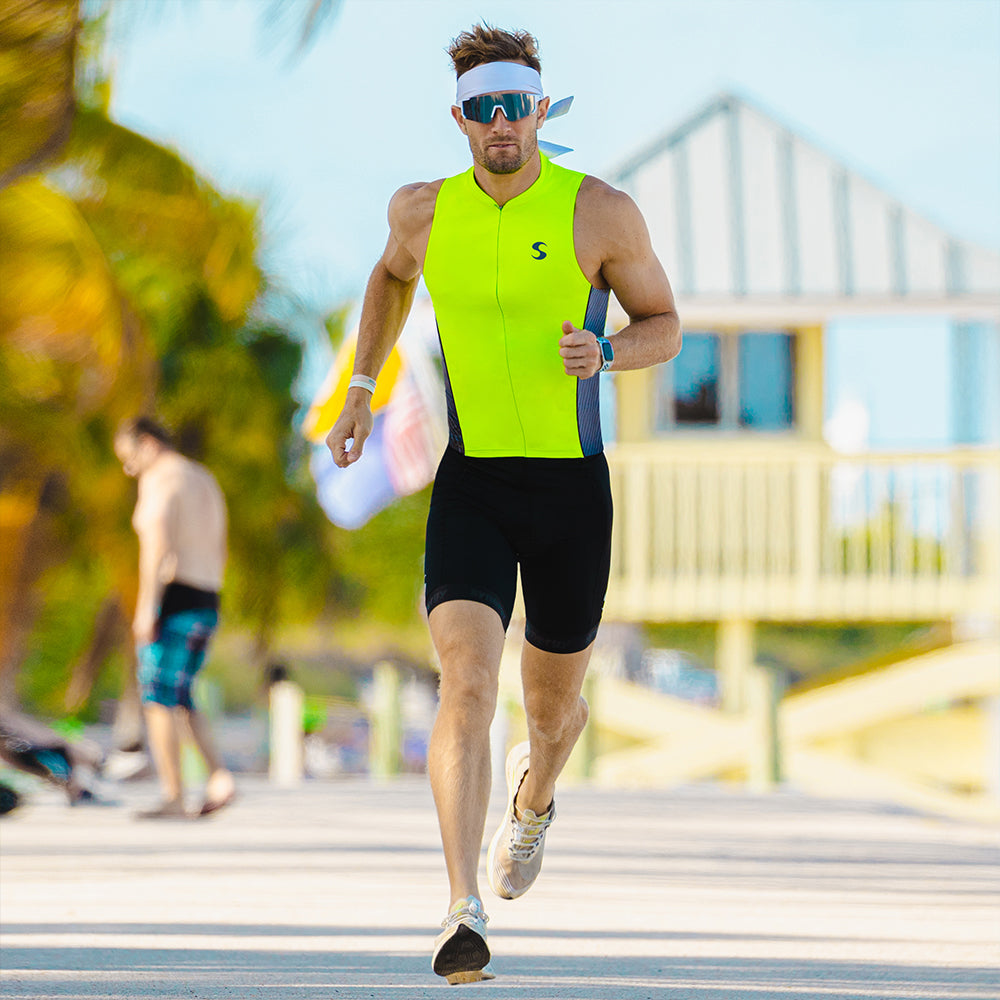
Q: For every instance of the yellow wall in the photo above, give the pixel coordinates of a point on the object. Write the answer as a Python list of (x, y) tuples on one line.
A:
[(809, 382), (635, 392)]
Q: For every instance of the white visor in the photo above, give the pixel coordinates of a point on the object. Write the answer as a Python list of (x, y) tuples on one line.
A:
[(498, 78)]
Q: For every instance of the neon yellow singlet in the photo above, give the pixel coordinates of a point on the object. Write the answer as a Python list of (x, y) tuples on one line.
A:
[(503, 280)]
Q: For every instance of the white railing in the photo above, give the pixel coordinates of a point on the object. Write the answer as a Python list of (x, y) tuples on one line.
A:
[(803, 533)]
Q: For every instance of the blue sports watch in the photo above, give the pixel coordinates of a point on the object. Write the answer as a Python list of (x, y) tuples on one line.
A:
[(607, 353)]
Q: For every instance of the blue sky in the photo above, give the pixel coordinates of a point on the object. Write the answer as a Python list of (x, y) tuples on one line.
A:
[(907, 92)]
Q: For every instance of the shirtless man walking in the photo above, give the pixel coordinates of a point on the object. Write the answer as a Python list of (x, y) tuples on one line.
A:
[(180, 518), (519, 256)]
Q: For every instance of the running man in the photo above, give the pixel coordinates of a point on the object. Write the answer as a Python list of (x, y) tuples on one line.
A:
[(180, 518), (519, 256)]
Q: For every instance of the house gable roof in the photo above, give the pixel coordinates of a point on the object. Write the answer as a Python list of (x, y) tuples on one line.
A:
[(740, 207)]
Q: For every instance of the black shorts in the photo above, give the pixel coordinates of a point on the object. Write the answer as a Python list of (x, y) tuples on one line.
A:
[(550, 515)]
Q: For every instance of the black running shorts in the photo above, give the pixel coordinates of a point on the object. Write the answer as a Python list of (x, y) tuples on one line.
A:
[(551, 516)]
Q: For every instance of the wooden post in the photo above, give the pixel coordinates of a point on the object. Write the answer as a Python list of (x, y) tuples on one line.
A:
[(806, 530), (763, 694), (968, 628), (809, 382), (992, 783), (386, 744), (734, 654), (636, 533), (287, 763)]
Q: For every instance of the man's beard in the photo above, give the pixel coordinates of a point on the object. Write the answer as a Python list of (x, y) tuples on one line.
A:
[(507, 161)]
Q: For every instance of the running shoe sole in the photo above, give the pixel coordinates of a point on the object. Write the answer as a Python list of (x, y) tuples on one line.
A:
[(463, 958)]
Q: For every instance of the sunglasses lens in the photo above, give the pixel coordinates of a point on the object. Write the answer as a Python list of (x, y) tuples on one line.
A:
[(514, 106)]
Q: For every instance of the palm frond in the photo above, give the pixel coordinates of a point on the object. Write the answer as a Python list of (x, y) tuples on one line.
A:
[(38, 41), (146, 204), (304, 22)]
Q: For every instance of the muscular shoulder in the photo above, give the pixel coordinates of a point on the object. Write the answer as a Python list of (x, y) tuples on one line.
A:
[(607, 226), (411, 208), (411, 212), (605, 213)]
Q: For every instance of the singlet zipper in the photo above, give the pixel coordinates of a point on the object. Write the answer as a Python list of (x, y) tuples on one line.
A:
[(506, 351)]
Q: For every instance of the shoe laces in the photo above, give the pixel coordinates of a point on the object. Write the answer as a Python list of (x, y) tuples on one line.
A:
[(527, 833), (462, 910)]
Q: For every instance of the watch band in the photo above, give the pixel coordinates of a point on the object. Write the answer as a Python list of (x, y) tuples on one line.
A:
[(607, 353)]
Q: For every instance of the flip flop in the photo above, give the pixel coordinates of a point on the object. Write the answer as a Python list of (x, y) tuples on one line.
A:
[(214, 805), (161, 812)]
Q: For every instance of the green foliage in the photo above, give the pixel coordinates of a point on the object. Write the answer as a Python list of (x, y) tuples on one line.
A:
[(335, 323), (812, 650), (37, 56), (226, 392), (244, 687), (133, 285), (695, 638), (886, 543), (213, 364), (73, 593), (806, 650)]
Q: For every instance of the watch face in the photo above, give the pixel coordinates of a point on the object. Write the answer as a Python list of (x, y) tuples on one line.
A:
[(607, 351)]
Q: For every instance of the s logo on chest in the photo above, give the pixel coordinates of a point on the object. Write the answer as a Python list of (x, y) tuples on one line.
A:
[(539, 253)]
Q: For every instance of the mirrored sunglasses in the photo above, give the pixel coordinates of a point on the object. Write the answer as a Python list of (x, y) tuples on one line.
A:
[(514, 107)]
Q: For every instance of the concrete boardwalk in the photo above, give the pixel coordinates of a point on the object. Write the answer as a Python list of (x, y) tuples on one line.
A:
[(334, 890)]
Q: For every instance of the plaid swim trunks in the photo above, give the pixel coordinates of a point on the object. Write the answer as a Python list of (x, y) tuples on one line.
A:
[(168, 666)]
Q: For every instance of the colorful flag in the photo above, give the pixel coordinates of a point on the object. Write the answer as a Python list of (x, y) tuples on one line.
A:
[(408, 447), (409, 432), (351, 496), (330, 396)]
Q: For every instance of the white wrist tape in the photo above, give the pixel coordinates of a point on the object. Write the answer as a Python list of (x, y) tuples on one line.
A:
[(362, 382)]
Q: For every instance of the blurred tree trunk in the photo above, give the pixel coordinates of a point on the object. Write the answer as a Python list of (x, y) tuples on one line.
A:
[(25, 551), (17, 514), (111, 632)]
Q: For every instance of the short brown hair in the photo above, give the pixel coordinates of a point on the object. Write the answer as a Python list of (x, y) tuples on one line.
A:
[(486, 44), (139, 426)]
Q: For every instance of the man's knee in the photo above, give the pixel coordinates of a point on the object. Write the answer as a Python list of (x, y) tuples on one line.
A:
[(553, 717), (469, 694)]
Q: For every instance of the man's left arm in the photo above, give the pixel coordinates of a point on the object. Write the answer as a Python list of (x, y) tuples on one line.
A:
[(616, 234)]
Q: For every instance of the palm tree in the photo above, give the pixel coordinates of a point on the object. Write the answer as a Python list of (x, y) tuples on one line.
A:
[(127, 277)]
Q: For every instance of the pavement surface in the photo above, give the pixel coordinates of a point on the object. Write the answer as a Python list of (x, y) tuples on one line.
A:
[(335, 890)]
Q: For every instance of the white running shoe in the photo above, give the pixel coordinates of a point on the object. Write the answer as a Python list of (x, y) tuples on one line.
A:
[(461, 954), (515, 855)]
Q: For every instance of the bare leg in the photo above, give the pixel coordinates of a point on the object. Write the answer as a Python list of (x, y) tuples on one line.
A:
[(556, 717), (220, 786), (164, 742), (203, 740), (468, 638)]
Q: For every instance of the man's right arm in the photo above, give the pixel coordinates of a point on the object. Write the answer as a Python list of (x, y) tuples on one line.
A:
[(156, 512), (387, 302)]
